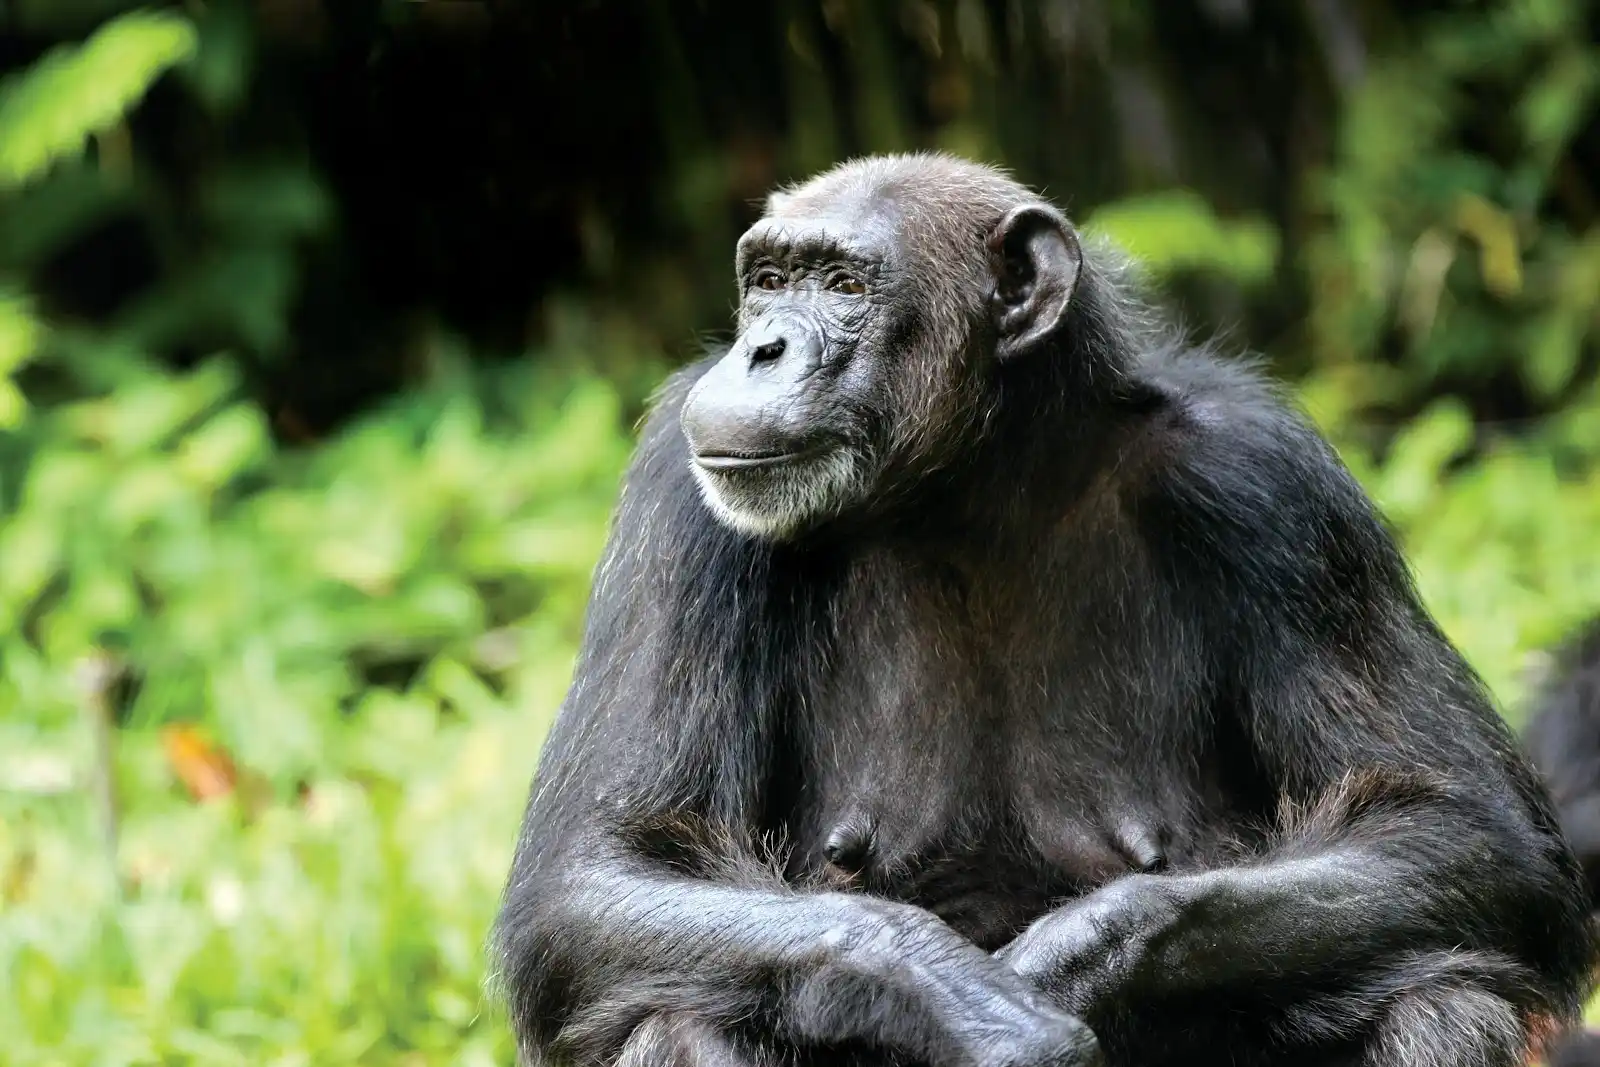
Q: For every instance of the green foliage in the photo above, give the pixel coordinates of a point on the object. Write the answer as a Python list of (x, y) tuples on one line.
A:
[(49, 111), (19, 337), (369, 635), (377, 631), (1176, 230), (1453, 253)]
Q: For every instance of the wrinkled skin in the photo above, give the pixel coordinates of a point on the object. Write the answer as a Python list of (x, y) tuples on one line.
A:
[(978, 675), (809, 413)]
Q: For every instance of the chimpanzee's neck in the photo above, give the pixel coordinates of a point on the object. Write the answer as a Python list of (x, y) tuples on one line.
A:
[(1061, 417)]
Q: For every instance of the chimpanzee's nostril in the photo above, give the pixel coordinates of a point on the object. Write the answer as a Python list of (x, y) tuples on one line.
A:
[(767, 351)]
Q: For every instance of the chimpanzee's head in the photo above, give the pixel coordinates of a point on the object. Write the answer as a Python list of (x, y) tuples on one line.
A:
[(876, 302)]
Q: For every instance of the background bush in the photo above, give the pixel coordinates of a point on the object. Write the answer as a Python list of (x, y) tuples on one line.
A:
[(323, 328)]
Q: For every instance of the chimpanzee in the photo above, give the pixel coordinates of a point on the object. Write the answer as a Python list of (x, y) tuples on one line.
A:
[(1563, 737), (979, 674)]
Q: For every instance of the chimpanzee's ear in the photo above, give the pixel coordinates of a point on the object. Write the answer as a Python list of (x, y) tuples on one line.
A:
[(1035, 258)]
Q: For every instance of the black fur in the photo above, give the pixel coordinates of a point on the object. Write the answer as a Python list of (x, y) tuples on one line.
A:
[(1580, 1049), (1106, 697), (1563, 737)]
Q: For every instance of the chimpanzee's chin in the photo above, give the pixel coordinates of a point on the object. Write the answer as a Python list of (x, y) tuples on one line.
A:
[(774, 498)]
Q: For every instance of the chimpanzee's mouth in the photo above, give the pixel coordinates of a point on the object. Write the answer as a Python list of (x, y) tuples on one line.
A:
[(723, 461)]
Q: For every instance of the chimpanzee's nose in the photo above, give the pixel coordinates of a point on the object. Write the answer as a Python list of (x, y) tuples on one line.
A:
[(789, 338), (750, 408), (768, 351)]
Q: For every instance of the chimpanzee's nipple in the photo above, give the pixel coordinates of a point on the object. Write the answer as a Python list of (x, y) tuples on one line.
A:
[(1141, 844), (850, 846)]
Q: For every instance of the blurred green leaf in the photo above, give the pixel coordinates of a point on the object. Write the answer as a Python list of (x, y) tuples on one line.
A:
[(50, 110), (1177, 230)]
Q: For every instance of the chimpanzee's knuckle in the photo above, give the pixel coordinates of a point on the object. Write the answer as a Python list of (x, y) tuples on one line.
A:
[(1058, 1041)]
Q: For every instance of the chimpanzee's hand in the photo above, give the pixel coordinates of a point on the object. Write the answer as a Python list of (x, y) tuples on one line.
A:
[(908, 983), (1096, 948), (1060, 1041)]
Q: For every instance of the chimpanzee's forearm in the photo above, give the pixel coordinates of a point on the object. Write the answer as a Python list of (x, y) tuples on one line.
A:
[(1366, 887), (593, 957), (1248, 927)]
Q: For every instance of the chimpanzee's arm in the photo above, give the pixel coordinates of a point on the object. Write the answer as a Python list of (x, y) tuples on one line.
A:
[(614, 948), (1416, 893), (640, 917), (1394, 892)]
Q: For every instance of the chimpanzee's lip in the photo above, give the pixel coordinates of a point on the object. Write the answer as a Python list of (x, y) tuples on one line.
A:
[(741, 461)]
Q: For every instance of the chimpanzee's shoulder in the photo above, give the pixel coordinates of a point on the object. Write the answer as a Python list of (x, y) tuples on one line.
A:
[(1244, 479)]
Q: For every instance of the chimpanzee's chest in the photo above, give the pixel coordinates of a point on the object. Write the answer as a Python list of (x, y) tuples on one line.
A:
[(987, 766)]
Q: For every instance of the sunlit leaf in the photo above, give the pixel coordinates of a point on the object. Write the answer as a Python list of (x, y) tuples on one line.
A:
[(13, 405), (48, 111), (1496, 234), (20, 332), (225, 446), (1553, 109), (1177, 230)]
